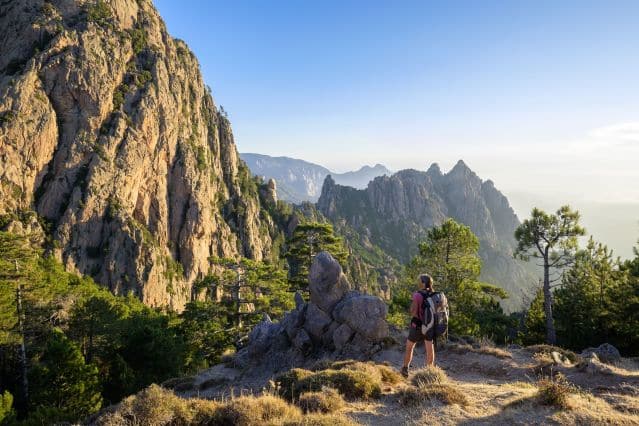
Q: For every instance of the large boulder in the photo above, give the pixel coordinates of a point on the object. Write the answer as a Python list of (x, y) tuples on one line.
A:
[(263, 336), (303, 342), (335, 322), (327, 283), (342, 335), (364, 314), (292, 322), (317, 321), (605, 353)]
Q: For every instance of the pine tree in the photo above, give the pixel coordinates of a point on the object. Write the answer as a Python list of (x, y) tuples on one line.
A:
[(535, 320), (19, 285), (63, 384), (6, 407), (584, 301), (308, 240), (450, 256), (553, 239)]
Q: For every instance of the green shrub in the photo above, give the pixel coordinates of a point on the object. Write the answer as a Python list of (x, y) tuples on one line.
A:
[(287, 382), (99, 13), (6, 407), (144, 77), (325, 401), (8, 116), (139, 39), (118, 96)]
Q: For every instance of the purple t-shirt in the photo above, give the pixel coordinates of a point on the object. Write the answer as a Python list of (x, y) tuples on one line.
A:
[(416, 308)]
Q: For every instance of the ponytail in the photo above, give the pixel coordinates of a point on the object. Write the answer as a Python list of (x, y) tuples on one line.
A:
[(427, 280)]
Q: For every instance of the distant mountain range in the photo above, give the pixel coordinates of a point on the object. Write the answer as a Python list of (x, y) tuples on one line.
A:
[(299, 180), (384, 215)]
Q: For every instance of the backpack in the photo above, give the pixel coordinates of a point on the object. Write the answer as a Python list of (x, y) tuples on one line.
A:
[(435, 307)]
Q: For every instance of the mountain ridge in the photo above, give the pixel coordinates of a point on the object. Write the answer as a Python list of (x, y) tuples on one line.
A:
[(300, 180), (395, 213)]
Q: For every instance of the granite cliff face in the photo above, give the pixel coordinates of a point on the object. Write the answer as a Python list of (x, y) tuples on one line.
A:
[(300, 181), (395, 213), (108, 132)]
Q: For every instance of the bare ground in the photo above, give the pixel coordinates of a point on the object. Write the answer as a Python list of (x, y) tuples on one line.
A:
[(501, 387)]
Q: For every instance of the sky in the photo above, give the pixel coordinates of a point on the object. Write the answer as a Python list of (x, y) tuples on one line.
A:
[(542, 97)]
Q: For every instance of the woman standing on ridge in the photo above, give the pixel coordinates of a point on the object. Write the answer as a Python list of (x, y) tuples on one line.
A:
[(415, 335)]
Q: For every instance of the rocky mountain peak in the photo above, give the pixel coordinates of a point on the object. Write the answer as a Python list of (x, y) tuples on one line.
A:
[(434, 170), (460, 169), (397, 211)]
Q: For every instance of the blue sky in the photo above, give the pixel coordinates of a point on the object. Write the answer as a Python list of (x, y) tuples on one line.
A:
[(505, 85)]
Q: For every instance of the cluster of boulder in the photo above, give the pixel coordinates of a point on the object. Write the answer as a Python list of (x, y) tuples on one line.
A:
[(336, 320)]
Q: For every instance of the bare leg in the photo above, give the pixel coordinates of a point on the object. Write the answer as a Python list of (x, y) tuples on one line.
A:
[(430, 353), (408, 356)]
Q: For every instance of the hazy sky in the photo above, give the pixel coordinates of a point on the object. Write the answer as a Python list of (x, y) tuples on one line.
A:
[(542, 97)]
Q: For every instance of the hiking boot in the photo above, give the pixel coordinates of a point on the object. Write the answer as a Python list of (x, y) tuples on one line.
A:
[(405, 372)]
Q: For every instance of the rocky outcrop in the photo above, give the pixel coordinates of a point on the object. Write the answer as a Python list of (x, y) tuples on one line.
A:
[(395, 213), (108, 132), (337, 322), (605, 353)]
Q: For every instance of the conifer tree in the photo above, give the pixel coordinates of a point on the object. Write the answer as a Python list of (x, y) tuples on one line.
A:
[(552, 238), (308, 240)]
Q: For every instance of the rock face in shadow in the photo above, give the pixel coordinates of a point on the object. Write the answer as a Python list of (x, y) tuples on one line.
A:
[(336, 321), (109, 133)]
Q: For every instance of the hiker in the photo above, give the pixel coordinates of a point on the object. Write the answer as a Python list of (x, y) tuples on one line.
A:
[(415, 332)]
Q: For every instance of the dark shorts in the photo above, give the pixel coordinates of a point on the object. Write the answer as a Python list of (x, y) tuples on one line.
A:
[(415, 335)]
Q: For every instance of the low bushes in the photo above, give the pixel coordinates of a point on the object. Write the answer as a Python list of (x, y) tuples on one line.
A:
[(325, 401), (158, 406), (428, 376), (555, 391), (445, 393), (352, 379)]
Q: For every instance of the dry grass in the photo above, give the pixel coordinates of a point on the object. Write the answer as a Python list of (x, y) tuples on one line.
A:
[(353, 379), (544, 366), (324, 420), (249, 411), (555, 391), (548, 349), (484, 348), (157, 406), (446, 393), (325, 401), (380, 372), (428, 376), (351, 384)]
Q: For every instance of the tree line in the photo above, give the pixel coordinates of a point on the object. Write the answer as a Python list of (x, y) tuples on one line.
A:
[(588, 296), (69, 346)]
